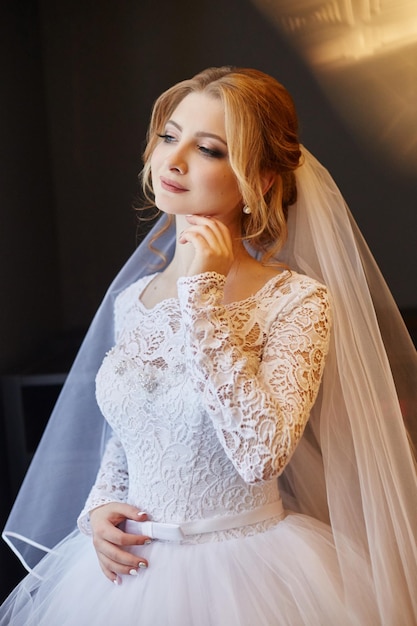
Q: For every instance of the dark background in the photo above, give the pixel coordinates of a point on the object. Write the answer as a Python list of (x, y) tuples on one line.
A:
[(78, 79)]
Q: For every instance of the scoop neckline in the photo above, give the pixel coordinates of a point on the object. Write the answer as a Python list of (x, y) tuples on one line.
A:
[(163, 303)]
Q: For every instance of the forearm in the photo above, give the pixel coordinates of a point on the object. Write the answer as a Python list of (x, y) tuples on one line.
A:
[(111, 484), (257, 391)]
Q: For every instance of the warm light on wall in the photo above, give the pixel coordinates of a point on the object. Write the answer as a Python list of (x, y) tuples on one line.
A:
[(364, 54), (329, 32)]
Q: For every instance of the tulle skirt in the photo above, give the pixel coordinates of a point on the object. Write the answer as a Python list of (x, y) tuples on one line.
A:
[(287, 575)]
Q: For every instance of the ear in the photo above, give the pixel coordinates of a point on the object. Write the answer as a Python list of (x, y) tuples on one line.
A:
[(268, 179)]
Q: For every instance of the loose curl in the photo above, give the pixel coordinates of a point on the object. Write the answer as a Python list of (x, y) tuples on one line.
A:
[(261, 133)]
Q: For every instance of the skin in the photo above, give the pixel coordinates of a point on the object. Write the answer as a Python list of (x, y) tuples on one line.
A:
[(192, 180)]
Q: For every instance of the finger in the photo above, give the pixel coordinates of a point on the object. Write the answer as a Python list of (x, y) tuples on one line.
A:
[(117, 536), (121, 511), (111, 556), (112, 576), (105, 530), (119, 551), (130, 539), (207, 239), (210, 222), (130, 566), (201, 238), (115, 513), (121, 561)]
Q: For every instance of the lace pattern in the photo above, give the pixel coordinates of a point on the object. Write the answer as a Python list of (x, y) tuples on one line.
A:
[(258, 384), (208, 401), (112, 482)]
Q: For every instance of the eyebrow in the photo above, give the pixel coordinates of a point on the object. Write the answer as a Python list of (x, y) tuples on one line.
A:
[(199, 134)]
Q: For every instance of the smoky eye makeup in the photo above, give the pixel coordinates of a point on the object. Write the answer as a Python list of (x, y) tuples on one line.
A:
[(211, 152)]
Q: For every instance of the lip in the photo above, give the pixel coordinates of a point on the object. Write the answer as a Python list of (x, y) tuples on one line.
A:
[(170, 185)]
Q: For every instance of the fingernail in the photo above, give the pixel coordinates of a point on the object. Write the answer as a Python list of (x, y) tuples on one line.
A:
[(133, 572), (147, 542), (141, 513), (143, 565), (116, 581)]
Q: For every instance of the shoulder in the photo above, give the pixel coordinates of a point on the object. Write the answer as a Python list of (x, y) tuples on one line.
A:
[(291, 291), (290, 282)]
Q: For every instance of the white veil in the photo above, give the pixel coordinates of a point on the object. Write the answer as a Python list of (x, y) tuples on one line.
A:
[(353, 468)]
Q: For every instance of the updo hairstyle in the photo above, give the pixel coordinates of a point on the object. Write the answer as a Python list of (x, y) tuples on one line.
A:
[(261, 133)]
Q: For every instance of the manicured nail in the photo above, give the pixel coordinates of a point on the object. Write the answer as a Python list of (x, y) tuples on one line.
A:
[(133, 572), (116, 581), (143, 565), (147, 542), (141, 513)]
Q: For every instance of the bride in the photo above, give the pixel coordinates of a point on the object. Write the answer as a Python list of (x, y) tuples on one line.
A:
[(257, 384)]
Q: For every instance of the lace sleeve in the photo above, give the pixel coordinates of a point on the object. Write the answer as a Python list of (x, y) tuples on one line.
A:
[(258, 396), (111, 483)]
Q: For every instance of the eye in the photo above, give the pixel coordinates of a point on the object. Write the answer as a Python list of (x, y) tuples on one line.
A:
[(166, 137), (215, 154)]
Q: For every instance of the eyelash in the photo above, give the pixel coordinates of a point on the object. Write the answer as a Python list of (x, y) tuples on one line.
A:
[(214, 154), (167, 138)]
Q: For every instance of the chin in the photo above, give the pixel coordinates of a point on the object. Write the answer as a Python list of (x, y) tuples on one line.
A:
[(165, 207)]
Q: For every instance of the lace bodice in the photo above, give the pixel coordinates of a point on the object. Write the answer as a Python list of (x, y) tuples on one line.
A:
[(208, 401)]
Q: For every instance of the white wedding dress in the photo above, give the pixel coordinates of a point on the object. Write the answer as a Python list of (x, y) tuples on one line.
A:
[(207, 403)]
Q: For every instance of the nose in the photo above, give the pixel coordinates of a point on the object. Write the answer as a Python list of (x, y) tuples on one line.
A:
[(177, 160)]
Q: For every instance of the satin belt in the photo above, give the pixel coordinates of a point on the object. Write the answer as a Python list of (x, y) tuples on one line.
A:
[(177, 532)]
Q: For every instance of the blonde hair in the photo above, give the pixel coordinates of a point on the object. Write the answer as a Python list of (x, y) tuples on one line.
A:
[(261, 133)]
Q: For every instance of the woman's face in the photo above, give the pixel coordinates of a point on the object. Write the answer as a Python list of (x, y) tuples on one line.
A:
[(191, 173)]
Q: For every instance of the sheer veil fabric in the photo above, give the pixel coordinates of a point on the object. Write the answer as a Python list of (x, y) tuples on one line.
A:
[(354, 467)]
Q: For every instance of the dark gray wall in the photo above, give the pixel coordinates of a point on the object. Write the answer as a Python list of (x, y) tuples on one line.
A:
[(29, 274)]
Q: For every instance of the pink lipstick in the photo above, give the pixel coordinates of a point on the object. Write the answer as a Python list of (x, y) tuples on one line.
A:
[(170, 185)]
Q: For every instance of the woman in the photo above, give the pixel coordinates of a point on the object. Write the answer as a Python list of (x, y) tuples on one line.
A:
[(255, 353)]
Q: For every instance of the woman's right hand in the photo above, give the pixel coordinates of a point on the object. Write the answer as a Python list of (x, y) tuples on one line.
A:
[(111, 542)]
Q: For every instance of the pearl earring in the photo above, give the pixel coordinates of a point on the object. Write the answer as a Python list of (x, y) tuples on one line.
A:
[(247, 210)]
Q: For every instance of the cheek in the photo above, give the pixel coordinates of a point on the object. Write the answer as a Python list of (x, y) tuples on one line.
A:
[(154, 160), (223, 182), (153, 176), (155, 165), (231, 188), (225, 191), (157, 155)]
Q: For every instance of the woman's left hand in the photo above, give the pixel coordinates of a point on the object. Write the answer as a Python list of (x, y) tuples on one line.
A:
[(212, 243)]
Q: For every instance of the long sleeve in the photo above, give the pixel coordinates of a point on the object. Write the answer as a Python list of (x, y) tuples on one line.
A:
[(111, 483), (258, 382)]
